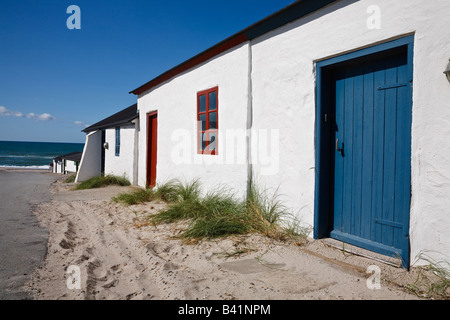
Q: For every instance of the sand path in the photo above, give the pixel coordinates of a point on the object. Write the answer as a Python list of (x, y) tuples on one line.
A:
[(120, 256)]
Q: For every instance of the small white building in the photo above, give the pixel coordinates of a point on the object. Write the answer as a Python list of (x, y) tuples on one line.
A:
[(67, 163), (110, 147), (340, 105)]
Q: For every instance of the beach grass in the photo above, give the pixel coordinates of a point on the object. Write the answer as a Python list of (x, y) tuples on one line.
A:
[(193, 206), (435, 285), (102, 181), (135, 197), (71, 178), (170, 192), (217, 226), (219, 212)]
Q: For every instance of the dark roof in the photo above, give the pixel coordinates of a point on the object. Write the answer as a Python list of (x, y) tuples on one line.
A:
[(74, 156), (284, 16), (121, 117)]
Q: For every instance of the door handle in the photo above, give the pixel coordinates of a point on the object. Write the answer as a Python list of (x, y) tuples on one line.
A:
[(337, 146)]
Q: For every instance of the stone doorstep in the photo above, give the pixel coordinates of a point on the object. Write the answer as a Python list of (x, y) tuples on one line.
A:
[(348, 248)]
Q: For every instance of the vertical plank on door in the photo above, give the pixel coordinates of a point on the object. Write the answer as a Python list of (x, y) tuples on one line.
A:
[(339, 164), (402, 185), (347, 213), (378, 147), (358, 110), (367, 154), (390, 146)]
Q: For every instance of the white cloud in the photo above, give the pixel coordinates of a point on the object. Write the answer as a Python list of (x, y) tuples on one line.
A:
[(46, 117), (78, 123), (39, 117), (8, 113)]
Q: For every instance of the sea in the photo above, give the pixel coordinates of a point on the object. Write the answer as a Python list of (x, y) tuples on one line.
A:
[(33, 155)]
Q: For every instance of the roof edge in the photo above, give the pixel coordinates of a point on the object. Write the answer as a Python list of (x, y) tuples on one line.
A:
[(110, 125), (209, 53), (281, 17), (121, 117)]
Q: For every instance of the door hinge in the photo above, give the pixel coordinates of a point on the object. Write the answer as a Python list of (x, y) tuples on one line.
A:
[(393, 85), (389, 223)]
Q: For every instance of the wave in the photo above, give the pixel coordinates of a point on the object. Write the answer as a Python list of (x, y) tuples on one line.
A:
[(25, 167), (25, 156)]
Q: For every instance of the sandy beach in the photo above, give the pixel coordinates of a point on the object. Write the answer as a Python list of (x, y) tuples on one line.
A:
[(119, 255)]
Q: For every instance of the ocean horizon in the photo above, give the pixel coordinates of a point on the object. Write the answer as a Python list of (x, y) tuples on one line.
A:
[(33, 155)]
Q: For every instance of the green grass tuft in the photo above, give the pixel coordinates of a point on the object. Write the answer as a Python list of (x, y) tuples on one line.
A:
[(136, 197), (70, 179), (101, 181), (171, 192), (218, 212), (189, 191), (216, 226), (179, 211), (435, 283), (167, 191), (195, 207)]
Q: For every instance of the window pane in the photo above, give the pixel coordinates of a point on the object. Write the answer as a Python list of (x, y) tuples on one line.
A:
[(202, 103), (202, 141), (213, 100), (212, 120), (117, 141), (202, 119), (212, 146)]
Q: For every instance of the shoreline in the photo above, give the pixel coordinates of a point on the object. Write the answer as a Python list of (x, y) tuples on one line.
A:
[(25, 169), (31, 170)]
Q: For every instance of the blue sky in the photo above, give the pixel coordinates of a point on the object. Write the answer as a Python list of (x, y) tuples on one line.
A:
[(55, 81)]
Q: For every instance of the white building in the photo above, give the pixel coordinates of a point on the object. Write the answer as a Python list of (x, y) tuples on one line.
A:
[(341, 105), (110, 147), (67, 163)]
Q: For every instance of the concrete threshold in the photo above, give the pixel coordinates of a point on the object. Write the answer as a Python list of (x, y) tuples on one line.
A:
[(351, 249)]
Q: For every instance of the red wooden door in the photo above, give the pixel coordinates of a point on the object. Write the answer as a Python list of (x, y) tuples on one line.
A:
[(152, 131)]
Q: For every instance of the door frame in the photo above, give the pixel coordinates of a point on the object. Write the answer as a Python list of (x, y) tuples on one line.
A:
[(324, 142), (150, 140)]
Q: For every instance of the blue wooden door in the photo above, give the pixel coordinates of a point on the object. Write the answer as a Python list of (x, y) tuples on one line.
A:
[(372, 153)]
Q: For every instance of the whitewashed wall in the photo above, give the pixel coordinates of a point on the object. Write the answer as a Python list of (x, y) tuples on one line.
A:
[(122, 165), (70, 166), (282, 97), (283, 78), (57, 166), (91, 160), (176, 103)]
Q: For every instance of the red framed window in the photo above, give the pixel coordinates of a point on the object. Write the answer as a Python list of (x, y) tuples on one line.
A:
[(207, 121)]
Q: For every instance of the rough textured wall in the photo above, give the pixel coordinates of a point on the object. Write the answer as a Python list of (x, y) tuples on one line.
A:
[(90, 164), (283, 78), (121, 165), (176, 103)]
